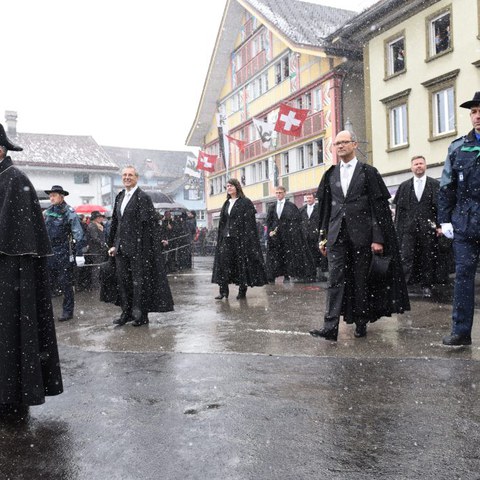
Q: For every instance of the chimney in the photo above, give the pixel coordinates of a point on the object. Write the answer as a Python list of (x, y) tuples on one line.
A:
[(11, 120)]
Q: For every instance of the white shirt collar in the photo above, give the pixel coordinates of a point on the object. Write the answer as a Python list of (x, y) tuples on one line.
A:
[(132, 190), (353, 162)]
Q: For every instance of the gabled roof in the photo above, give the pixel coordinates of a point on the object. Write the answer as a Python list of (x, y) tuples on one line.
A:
[(60, 151), (301, 25), (158, 163)]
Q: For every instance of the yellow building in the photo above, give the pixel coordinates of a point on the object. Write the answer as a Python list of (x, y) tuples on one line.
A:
[(421, 60), (267, 53)]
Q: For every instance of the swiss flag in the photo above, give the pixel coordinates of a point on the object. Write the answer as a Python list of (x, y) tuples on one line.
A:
[(239, 143), (290, 120), (206, 162)]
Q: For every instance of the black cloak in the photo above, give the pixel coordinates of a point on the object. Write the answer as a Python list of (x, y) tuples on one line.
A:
[(156, 294), (287, 251), (244, 247), (29, 362), (388, 295)]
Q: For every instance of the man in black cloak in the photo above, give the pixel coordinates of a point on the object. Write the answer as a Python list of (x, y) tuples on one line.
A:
[(357, 228), (29, 363), (136, 244), (287, 251)]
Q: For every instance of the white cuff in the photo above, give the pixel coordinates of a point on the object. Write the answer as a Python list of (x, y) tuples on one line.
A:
[(447, 230)]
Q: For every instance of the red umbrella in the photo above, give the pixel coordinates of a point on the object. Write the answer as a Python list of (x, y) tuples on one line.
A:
[(87, 209)]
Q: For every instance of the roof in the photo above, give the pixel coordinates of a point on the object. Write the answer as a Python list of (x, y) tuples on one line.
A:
[(300, 24), (381, 16), (60, 151), (158, 163)]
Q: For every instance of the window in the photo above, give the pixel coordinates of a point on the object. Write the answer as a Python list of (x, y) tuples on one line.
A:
[(300, 158), (81, 178), (257, 87), (320, 160), (443, 111), (398, 126), (265, 170), (439, 33), (299, 102), (317, 99), (285, 163), (282, 70), (442, 104), (395, 56), (235, 103), (309, 155), (201, 215), (308, 100), (397, 119)]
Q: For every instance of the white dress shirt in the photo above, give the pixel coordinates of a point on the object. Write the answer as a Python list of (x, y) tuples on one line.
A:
[(280, 205), (419, 184), (310, 210), (346, 174), (126, 198), (232, 203)]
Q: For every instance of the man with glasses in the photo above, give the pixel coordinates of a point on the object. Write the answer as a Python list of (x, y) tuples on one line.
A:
[(366, 279)]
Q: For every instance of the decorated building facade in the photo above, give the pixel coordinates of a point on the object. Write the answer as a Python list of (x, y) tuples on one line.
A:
[(269, 53)]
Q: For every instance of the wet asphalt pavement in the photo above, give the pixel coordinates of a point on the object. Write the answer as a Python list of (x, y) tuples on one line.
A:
[(235, 390)]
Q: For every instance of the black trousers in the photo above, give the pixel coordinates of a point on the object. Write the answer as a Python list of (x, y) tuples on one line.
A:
[(418, 246), (347, 284), (129, 278)]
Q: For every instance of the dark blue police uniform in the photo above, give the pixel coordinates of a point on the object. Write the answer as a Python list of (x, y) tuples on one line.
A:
[(459, 204), (62, 225)]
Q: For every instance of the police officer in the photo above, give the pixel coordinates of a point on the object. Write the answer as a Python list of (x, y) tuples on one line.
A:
[(459, 217), (63, 226)]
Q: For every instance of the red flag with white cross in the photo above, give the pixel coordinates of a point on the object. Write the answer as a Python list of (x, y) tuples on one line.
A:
[(206, 162), (290, 120)]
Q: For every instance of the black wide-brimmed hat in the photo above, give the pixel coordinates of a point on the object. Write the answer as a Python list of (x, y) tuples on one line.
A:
[(475, 102), (5, 141), (57, 189), (95, 214)]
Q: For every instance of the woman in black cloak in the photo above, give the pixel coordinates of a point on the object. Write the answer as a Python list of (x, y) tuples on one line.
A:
[(238, 255)]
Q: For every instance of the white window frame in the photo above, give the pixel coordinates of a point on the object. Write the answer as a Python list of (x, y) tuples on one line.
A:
[(432, 21), (443, 111), (398, 117), (285, 163), (318, 99), (391, 56)]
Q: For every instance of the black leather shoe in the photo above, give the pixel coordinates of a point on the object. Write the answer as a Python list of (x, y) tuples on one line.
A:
[(327, 334), (64, 318), (124, 318), (456, 339), (360, 331), (140, 321), (242, 292)]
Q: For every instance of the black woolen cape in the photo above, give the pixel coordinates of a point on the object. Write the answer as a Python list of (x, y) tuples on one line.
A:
[(389, 295), (29, 362), (247, 253)]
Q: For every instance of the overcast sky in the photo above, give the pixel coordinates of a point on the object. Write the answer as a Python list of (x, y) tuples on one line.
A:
[(130, 74)]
